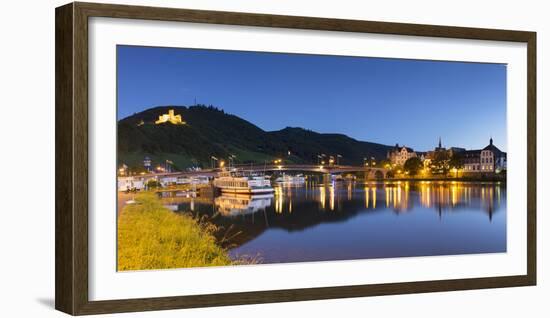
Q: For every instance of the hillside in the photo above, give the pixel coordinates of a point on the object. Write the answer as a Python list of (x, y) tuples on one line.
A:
[(212, 132)]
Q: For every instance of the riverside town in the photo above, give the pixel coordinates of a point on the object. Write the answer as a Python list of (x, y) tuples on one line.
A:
[(240, 198), (401, 162), (227, 158)]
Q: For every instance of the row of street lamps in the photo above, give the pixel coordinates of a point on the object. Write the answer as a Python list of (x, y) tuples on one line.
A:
[(221, 163), (322, 159), (369, 162), (124, 170), (216, 162)]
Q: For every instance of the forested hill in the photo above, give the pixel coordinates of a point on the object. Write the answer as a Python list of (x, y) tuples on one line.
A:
[(209, 131)]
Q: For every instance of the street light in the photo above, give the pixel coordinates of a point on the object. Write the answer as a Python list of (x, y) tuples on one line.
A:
[(214, 159), (232, 160), (169, 164)]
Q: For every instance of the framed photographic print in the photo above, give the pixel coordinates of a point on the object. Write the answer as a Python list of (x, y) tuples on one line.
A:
[(211, 158)]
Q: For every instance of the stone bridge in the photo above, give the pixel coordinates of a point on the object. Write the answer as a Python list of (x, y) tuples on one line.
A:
[(370, 172)]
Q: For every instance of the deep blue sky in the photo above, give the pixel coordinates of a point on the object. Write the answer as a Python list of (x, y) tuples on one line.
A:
[(389, 101)]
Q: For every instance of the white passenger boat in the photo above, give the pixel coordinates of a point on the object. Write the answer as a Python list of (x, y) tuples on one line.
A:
[(289, 179), (233, 181)]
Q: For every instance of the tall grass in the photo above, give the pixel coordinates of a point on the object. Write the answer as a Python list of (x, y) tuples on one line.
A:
[(150, 236)]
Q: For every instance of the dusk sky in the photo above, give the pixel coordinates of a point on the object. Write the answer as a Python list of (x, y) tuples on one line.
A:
[(388, 101)]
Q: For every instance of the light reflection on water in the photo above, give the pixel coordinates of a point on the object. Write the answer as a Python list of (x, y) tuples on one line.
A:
[(353, 220)]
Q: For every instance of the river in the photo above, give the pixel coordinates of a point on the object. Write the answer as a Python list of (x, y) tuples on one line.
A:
[(356, 220)]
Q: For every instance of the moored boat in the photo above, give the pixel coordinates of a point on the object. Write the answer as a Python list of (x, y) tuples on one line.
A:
[(290, 179), (233, 181)]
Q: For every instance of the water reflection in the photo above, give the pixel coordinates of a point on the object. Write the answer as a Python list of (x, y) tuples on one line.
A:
[(350, 220), (231, 205), (400, 196)]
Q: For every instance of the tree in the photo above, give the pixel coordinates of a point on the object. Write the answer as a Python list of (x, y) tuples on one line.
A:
[(440, 163), (456, 162), (152, 183), (384, 163), (413, 165)]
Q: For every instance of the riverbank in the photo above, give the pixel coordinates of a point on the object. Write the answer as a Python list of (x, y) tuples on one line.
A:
[(150, 236)]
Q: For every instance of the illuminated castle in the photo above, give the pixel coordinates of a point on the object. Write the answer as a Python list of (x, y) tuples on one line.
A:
[(171, 118)]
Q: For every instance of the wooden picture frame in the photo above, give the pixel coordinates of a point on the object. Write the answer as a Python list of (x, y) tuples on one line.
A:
[(71, 268)]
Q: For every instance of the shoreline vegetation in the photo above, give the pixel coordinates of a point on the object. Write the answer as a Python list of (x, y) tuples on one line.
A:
[(150, 236)]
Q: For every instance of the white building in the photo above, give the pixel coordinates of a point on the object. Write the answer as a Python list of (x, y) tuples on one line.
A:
[(130, 183), (487, 160), (399, 155)]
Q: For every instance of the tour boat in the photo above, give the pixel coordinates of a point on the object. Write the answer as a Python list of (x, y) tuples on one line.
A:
[(297, 179), (233, 181)]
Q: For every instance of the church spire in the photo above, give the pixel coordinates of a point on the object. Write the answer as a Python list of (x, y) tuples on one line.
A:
[(439, 141), (491, 141)]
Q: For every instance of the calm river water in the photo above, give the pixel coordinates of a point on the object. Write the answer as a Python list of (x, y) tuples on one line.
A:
[(354, 220)]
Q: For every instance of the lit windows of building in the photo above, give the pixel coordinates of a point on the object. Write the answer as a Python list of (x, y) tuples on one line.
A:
[(487, 160), (400, 154)]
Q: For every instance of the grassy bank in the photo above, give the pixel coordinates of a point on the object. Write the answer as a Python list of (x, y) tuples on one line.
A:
[(150, 236)]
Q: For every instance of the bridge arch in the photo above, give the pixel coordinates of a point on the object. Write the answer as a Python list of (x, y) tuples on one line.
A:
[(379, 175), (376, 174)]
